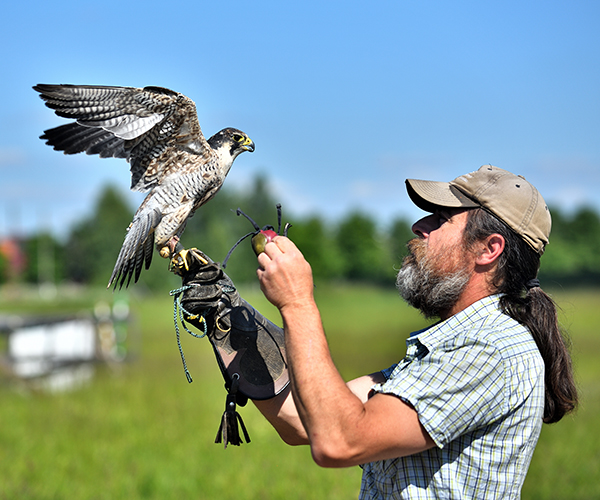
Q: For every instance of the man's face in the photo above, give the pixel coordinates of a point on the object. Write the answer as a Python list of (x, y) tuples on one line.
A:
[(438, 267)]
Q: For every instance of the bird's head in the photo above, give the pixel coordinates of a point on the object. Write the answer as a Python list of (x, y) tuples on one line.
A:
[(231, 142)]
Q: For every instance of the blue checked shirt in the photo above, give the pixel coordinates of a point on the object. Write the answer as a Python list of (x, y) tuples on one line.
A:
[(476, 381)]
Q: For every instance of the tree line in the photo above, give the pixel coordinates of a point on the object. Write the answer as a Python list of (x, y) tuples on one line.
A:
[(354, 248)]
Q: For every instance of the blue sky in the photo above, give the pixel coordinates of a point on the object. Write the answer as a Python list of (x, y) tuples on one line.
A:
[(344, 100)]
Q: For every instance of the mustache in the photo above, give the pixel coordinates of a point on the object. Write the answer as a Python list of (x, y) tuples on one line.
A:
[(416, 251), (416, 246)]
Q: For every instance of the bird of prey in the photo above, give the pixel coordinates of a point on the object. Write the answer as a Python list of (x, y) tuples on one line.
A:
[(157, 131)]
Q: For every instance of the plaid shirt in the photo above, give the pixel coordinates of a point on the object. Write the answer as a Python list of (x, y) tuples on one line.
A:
[(477, 382)]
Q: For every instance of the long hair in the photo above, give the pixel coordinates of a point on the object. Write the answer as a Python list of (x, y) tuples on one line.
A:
[(532, 307)]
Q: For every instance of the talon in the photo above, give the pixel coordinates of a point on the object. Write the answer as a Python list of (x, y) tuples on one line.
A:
[(198, 255), (182, 260)]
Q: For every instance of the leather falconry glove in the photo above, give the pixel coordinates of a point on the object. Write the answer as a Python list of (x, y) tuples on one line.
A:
[(249, 348)]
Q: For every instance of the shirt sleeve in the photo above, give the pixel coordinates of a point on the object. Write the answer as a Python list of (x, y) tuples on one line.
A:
[(454, 390)]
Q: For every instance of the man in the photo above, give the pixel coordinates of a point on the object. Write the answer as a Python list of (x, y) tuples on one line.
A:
[(460, 415)]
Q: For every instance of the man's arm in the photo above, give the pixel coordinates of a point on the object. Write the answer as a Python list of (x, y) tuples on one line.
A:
[(342, 428), (281, 410)]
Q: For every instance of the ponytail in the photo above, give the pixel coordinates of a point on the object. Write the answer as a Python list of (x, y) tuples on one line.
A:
[(524, 301)]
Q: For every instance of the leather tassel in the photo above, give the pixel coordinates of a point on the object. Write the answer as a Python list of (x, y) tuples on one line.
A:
[(229, 432)]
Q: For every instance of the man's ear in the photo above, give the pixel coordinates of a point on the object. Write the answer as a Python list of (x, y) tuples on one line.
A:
[(490, 249)]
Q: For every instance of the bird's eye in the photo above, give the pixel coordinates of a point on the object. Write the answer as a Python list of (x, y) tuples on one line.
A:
[(237, 138)]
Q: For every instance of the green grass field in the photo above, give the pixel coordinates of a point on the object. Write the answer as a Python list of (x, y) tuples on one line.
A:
[(139, 430)]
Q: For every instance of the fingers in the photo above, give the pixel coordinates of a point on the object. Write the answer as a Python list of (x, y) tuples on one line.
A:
[(263, 260), (276, 247), (284, 275), (280, 244), (276, 252)]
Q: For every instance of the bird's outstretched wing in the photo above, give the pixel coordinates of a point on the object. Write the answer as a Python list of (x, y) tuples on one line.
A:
[(157, 131), (124, 122)]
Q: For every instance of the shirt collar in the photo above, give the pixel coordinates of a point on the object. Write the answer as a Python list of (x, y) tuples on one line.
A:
[(466, 318)]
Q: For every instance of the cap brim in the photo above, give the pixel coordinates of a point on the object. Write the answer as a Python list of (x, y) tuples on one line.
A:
[(430, 195)]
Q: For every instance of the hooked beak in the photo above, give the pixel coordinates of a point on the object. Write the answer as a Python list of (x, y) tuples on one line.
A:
[(248, 145)]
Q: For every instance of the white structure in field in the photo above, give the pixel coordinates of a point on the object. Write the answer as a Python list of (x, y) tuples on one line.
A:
[(37, 350), (60, 352)]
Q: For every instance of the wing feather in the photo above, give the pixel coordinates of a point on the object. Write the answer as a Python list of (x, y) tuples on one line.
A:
[(73, 138), (127, 122)]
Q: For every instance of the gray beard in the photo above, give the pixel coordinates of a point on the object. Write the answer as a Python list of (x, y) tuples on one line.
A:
[(430, 290)]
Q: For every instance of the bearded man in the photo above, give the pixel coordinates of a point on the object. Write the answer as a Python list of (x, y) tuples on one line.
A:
[(460, 415)]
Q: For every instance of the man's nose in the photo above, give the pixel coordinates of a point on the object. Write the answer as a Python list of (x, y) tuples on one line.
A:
[(424, 226)]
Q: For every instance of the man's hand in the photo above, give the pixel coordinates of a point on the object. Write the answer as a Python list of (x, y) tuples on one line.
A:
[(284, 274)]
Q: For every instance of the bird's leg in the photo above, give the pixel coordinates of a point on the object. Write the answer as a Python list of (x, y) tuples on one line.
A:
[(170, 248), (174, 244)]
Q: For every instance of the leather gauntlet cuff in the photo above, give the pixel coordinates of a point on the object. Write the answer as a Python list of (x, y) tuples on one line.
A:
[(249, 348)]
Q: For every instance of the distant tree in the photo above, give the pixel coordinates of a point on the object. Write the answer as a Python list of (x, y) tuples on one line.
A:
[(400, 233), (259, 202), (319, 246), (572, 255), (363, 252), (45, 259), (95, 241), (585, 234)]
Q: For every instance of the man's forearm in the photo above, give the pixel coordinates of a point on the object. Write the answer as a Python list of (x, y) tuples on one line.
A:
[(322, 398), (281, 413)]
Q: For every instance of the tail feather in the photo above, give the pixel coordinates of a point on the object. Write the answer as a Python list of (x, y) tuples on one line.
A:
[(142, 256), (136, 250), (148, 252)]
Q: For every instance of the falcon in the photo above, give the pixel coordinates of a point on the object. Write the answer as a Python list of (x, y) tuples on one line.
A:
[(157, 131)]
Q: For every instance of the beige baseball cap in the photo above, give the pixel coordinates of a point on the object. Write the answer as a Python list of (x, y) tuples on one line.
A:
[(509, 197)]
